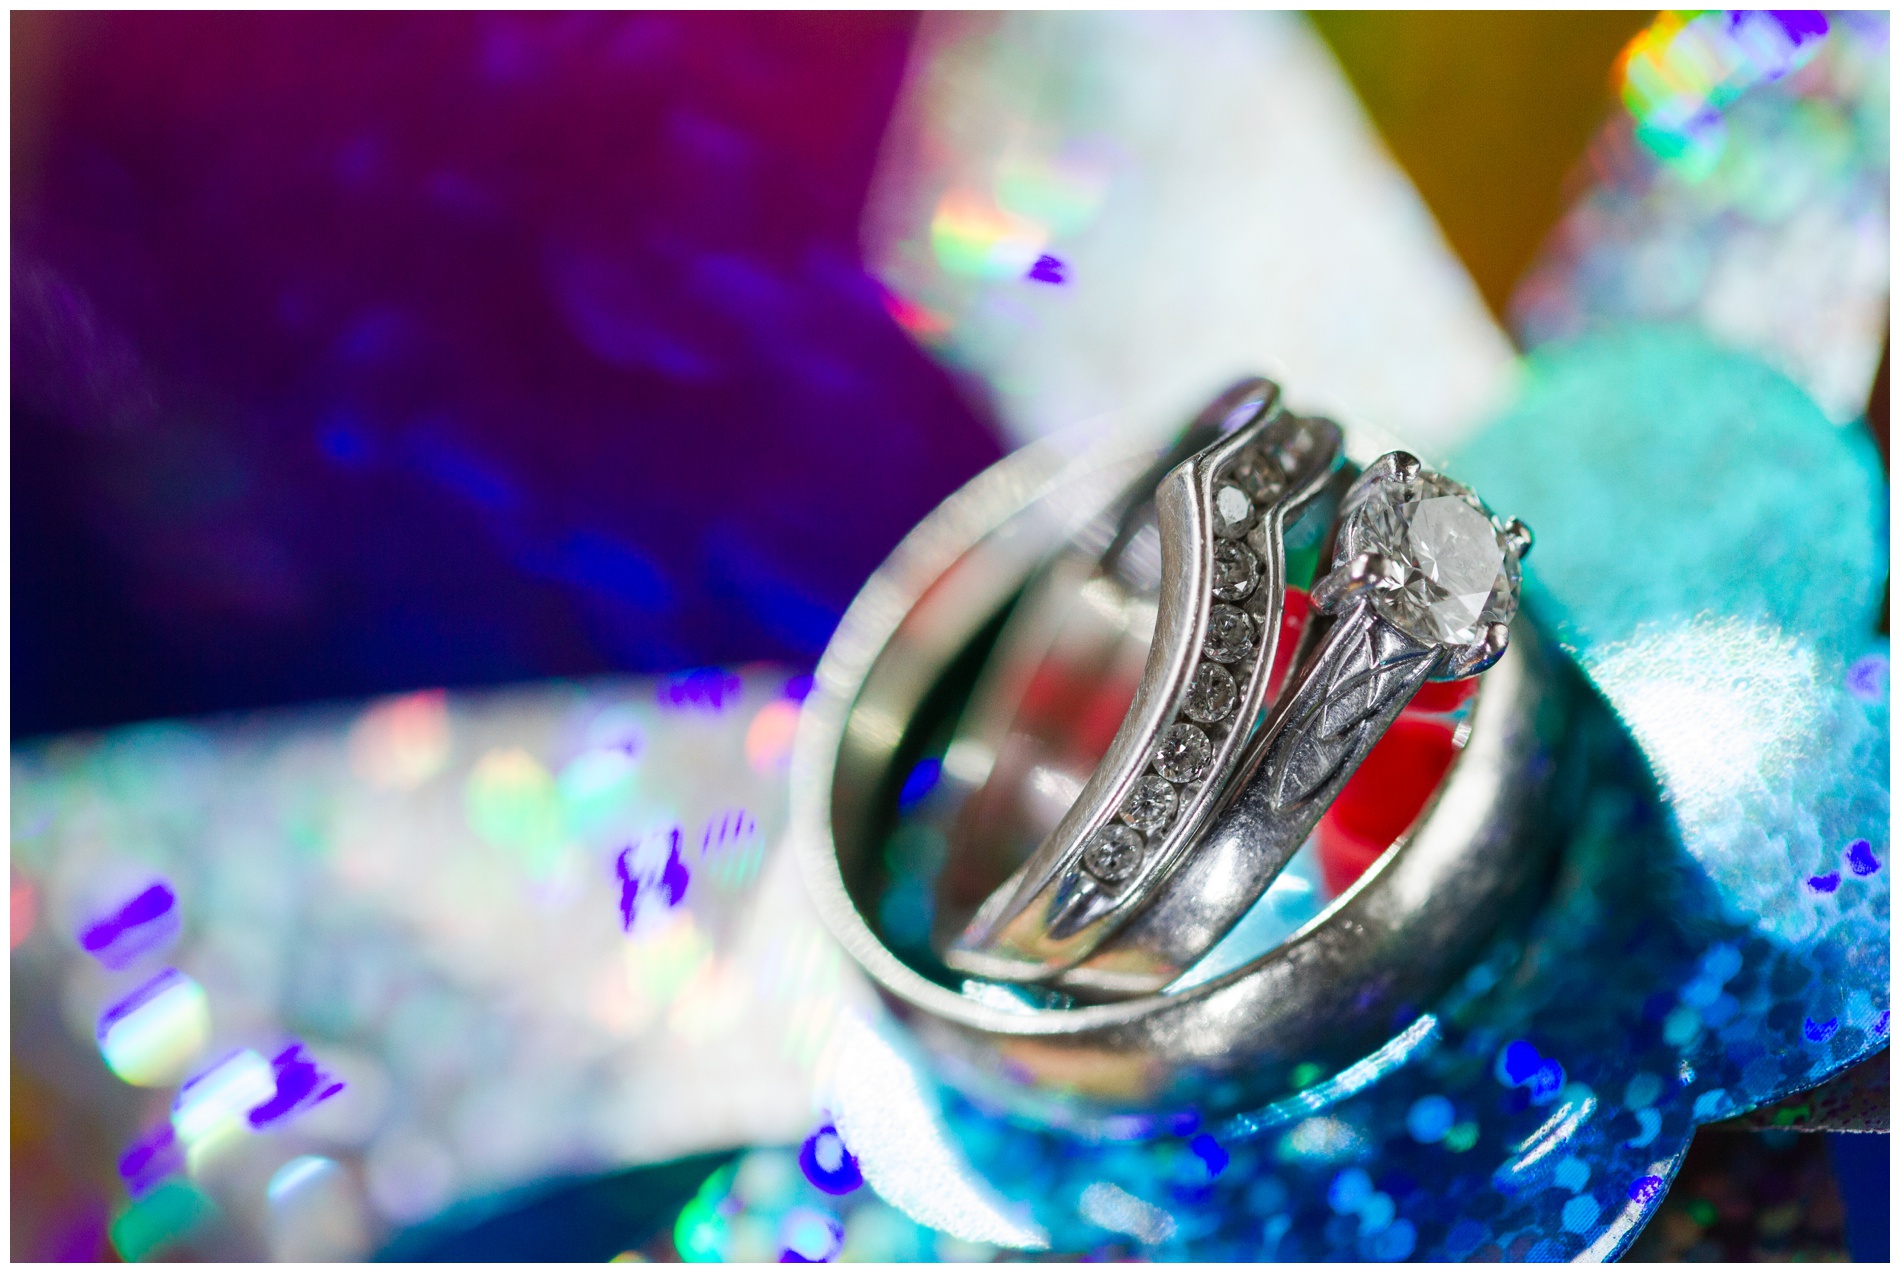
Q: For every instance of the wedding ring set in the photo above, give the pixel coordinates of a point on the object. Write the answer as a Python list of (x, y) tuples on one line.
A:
[(1136, 717)]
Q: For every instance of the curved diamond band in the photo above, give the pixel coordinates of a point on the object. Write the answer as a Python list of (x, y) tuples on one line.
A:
[(1424, 585), (1217, 523)]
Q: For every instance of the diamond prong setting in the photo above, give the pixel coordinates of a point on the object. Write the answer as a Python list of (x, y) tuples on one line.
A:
[(1446, 570), (1520, 535)]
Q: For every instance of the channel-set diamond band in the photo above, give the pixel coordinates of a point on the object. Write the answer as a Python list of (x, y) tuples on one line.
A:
[(1214, 579), (1424, 585), (897, 678)]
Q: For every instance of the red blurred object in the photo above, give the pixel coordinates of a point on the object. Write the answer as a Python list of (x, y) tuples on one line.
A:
[(1096, 706), (1383, 799), (1101, 715), (1293, 618), (1442, 696), (1380, 802)]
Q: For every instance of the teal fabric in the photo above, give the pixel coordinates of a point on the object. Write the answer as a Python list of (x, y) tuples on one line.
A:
[(1666, 477)]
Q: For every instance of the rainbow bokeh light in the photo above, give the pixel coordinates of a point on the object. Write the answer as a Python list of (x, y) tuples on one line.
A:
[(972, 236), (400, 743), (513, 803), (149, 1037), (296, 1174), (1062, 193), (1686, 66), (214, 1108), (1032, 200), (768, 739)]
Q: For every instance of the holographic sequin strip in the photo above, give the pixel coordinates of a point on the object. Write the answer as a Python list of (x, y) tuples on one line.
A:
[(1101, 215), (1745, 192), (389, 958)]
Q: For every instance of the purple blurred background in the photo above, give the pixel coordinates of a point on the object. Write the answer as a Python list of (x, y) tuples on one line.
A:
[(360, 352)]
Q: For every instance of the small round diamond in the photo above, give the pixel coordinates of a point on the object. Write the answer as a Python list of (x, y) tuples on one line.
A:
[(1295, 448), (1458, 572), (1211, 694), (1236, 570), (1233, 512), (1257, 475), (1183, 753), (1229, 634), (1151, 804), (1114, 853)]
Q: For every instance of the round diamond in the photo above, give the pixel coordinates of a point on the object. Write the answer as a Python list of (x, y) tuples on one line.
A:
[(1258, 476), (1211, 694), (1229, 634), (1233, 512), (1114, 853), (1151, 805), (1457, 572), (1296, 447), (1236, 570), (1183, 753)]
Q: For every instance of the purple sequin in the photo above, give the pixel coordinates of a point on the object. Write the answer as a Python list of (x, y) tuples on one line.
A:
[(150, 1159), (707, 689), (827, 1163), (1867, 678), (1861, 859), (671, 879), (1646, 1189), (145, 923), (300, 1084)]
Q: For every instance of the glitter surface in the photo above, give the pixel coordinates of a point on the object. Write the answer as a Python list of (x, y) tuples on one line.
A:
[(1728, 645), (1541, 1114)]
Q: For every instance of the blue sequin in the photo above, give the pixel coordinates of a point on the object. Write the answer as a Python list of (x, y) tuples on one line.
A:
[(1208, 1150), (1350, 1188), (1517, 1063), (921, 782), (1429, 1119), (1395, 1242)]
